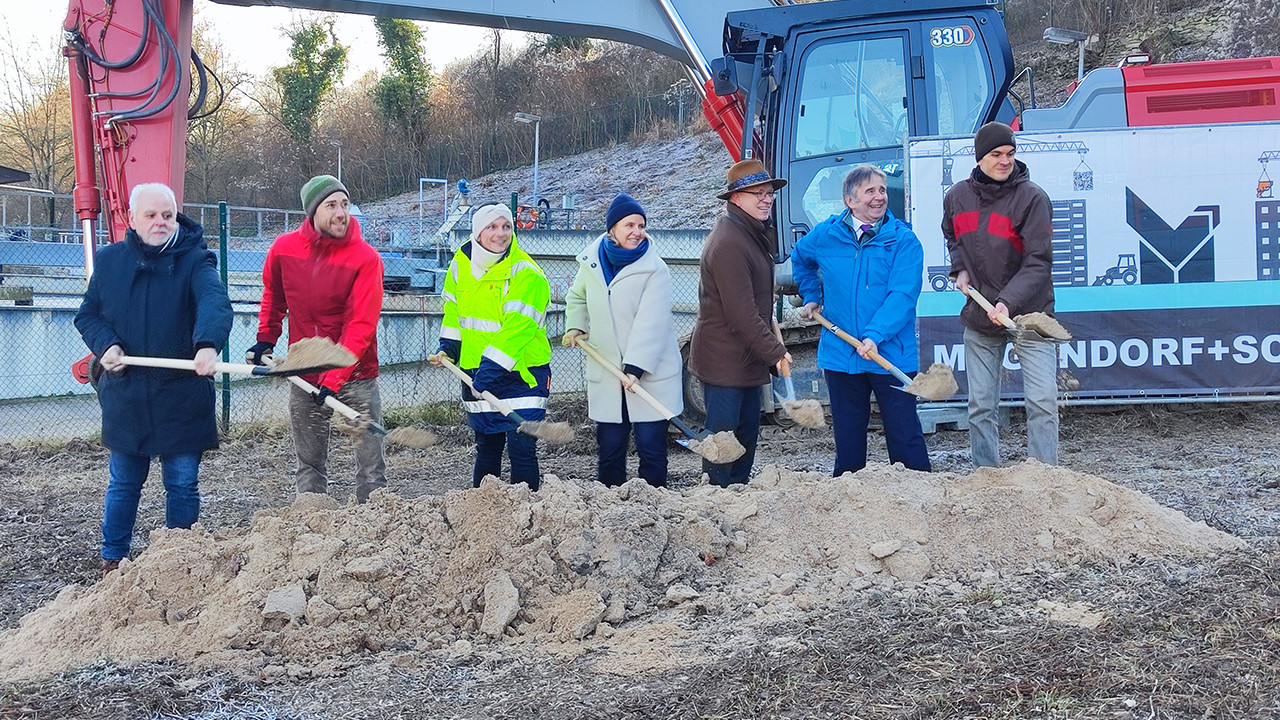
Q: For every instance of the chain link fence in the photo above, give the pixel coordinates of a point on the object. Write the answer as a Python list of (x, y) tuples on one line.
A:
[(42, 281)]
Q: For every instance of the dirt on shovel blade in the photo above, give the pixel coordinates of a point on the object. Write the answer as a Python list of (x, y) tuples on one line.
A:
[(347, 426), (1043, 325), (720, 448), (936, 383), (556, 432), (316, 352), (412, 436), (806, 413)]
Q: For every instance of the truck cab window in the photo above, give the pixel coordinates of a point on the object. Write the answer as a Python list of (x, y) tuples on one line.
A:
[(852, 96), (960, 80)]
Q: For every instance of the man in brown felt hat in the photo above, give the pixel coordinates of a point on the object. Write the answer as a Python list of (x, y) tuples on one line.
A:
[(733, 346)]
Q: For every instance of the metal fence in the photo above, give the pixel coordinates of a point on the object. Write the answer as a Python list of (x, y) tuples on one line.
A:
[(42, 282)]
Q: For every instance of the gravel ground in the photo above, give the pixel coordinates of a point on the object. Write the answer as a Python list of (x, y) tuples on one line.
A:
[(1185, 638)]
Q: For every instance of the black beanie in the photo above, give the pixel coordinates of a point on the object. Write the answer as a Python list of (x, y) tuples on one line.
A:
[(991, 136)]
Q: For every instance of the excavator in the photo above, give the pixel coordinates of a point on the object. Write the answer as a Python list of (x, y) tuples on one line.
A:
[(811, 89), (828, 84)]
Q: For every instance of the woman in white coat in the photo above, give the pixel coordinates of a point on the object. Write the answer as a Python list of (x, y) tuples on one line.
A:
[(620, 302)]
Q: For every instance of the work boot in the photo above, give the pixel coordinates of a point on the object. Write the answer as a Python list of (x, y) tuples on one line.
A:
[(108, 567)]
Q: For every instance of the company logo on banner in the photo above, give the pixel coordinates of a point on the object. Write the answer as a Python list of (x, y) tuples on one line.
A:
[(1164, 271)]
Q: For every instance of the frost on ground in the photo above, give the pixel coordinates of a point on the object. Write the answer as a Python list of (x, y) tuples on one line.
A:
[(576, 567)]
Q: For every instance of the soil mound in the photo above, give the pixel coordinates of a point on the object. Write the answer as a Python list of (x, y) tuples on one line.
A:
[(305, 589)]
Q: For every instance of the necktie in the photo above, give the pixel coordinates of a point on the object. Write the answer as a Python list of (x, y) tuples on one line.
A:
[(868, 232)]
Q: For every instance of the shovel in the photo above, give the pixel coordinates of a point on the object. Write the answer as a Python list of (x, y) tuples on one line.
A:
[(1033, 326), (407, 435), (720, 448), (556, 432), (806, 413), (936, 383), (309, 355), (225, 368)]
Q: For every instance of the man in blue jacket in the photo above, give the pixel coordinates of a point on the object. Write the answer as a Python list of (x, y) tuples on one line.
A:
[(157, 293), (864, 268)]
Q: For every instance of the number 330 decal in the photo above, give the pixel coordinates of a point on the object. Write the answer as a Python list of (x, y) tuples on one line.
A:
[(951, 36)]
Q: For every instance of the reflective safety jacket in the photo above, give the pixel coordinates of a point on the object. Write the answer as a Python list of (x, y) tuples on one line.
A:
[(501, 318)]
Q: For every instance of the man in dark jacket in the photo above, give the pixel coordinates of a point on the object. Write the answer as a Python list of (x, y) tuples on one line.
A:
[(156, 294), (733, 345), (998, 227), (328, 281)]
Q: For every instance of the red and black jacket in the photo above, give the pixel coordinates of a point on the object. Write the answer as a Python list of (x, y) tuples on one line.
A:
[(1002, 234)]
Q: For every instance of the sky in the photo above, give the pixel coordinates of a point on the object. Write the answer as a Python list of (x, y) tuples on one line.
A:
[(252, 36)]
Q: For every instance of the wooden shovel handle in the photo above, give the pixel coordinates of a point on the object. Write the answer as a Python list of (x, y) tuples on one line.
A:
[(330, 401), (784, 365), (489, 397), (978, 298), (617, 372), (644, 394), (179, 364), (902, 377)]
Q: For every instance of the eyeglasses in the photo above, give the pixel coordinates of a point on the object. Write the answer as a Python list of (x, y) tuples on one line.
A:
[(761, 194)]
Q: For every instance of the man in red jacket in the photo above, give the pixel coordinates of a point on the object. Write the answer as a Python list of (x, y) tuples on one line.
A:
[(328, 280)]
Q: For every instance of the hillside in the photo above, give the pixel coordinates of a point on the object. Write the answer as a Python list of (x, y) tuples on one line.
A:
[(676, 179)]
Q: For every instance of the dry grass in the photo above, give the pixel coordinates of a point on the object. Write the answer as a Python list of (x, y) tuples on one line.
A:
[(1183, 639)]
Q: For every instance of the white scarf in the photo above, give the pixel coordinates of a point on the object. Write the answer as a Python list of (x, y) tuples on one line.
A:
[(482, 259)]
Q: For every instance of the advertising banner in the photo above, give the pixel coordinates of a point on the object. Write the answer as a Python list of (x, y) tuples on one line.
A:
[(1166, 257)]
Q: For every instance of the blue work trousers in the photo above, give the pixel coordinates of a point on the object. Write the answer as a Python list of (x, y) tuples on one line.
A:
[(614, 439), (523, 450), (736, 409), (851, 413), (124, 489)]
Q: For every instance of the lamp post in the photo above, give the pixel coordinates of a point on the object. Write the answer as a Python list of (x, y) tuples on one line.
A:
[(445, 184), (1062, 36), (526, 118), (335, 141)]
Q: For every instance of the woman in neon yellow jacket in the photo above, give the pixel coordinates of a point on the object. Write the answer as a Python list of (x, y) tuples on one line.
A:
[(494, 328)]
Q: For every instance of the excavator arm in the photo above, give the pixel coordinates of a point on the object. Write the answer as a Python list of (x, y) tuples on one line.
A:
[(131, 76), (130, 81)]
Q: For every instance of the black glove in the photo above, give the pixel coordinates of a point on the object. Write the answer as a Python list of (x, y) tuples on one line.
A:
[(321, 394), (258, 351), (451, 348)]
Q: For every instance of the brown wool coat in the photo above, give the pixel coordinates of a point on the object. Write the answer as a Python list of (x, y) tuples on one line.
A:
[(733, 343)]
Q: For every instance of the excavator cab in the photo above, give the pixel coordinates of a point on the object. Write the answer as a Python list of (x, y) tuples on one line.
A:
[(836, 84)]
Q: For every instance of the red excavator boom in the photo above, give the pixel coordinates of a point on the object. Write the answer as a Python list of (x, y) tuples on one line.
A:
[(130, 80)]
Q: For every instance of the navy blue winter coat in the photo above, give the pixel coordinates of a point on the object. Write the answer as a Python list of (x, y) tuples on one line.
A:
[(165, 306)]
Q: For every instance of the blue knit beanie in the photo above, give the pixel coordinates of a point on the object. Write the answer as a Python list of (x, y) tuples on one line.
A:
[(622, 206)]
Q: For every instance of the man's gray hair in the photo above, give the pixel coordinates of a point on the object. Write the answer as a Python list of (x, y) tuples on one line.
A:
[(859, 175), (160, 188)]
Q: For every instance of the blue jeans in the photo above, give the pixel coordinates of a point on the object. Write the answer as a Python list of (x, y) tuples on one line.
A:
[(523, 450), (736, 409), (120, 510), (983, 359), (613, 440), (851, 413)]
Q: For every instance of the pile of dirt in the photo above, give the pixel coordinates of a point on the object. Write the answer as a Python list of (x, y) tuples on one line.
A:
[(576, 566)]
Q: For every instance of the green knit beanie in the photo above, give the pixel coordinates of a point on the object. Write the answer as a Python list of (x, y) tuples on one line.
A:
[(317, 189)]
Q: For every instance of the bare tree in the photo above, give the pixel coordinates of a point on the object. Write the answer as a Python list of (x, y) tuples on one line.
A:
[(216, 152), (35, 115)]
